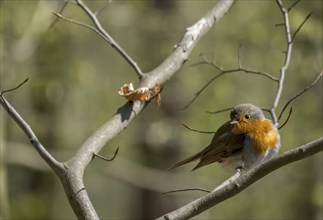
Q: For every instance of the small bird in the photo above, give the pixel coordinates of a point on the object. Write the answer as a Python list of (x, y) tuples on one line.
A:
[(241, 143)]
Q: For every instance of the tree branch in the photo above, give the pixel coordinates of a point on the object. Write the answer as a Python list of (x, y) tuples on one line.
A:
[(285, 66), (159, 75), (102, 33), (299, 94), (301, 25), (222, 72), (196, 207), (50, 160), (113, 43), (71, 172), (72, 181)]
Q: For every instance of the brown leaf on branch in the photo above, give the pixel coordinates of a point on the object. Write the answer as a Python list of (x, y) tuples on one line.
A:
[(141, 94)]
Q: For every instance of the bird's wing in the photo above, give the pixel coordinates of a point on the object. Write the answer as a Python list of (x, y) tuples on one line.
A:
[(223, 144)]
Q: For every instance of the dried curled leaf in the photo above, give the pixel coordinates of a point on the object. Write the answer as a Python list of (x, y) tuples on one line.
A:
[(141, 94)]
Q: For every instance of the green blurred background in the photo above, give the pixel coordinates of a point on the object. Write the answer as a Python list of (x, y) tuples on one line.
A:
[(74, 79)]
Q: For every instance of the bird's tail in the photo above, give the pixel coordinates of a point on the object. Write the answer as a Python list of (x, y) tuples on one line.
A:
[(187, 160)]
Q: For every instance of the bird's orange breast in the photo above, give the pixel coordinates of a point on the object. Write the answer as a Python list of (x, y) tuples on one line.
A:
[(262, 132)]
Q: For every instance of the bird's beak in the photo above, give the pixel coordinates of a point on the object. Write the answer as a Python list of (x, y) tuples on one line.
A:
[(236, 120)]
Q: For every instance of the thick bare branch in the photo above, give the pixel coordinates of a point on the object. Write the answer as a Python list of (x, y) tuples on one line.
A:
[(159, 75), (71, 172), (126, 113), (199, 205), (72, 182)]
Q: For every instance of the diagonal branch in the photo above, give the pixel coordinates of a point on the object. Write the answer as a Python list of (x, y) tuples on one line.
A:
[(113, 43), (293, 5), (102, 33), (199, 205), (301, 25), (15, 88), (159, 75), (300, 93), (71, 172), (50, 160), (196, 130), (65, 3)]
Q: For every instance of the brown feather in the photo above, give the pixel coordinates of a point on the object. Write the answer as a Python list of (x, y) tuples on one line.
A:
[(224, 143)]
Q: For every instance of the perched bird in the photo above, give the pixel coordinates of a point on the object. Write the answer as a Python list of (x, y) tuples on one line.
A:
[(241, 143)]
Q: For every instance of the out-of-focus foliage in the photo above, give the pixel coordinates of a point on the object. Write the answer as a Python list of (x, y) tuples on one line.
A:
[(73, 88)]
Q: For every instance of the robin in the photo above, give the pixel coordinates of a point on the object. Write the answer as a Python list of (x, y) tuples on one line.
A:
[(241, 143)]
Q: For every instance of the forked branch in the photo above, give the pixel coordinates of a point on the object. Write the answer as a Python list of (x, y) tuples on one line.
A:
[(98, 29), (73, 169), (222, 72)]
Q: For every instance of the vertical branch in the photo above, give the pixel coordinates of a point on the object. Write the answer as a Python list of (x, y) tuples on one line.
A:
[(283, 69)]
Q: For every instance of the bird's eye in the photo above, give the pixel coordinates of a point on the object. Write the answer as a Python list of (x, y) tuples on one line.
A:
[(247, 116)]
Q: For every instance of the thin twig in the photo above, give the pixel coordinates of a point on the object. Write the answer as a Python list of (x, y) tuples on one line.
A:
[(59, 12), (239, 50), (301, 25), (280, 24), (238, 69), (200, 91), (81, 24), (287, 119), (300, 93), (102, 33), (199, 131), (293, 5), (78, 191), (97, 12), (265, 109), (222, 72), (219, 111), (188, 189), (12, 89), (113, 43), (106, 159)]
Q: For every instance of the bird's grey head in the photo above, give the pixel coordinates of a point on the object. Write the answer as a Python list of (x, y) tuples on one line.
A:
[(248, 110)]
